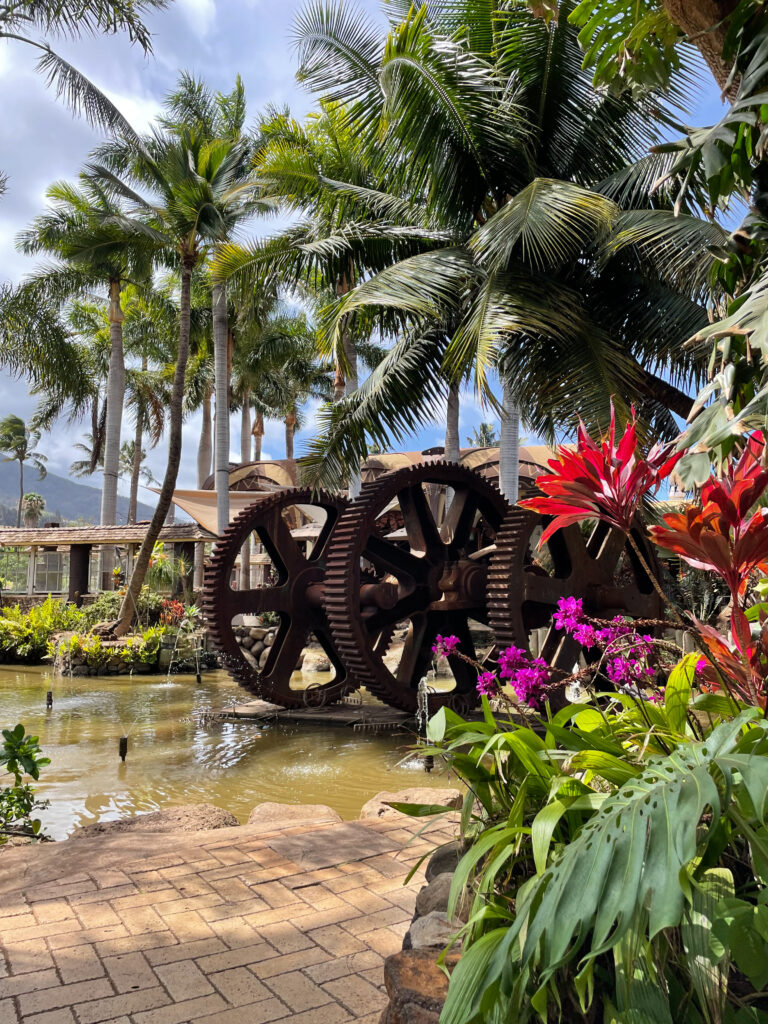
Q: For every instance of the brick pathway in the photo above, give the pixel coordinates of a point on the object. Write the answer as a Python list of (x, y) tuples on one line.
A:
[(235, 926)]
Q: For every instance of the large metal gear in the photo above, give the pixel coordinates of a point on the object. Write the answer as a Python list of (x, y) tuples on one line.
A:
[(392, 559), (525, 582), (297, 598), (436, 576)]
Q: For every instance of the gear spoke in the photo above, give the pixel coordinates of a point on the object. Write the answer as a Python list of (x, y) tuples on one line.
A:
[(460, 519), (404, 609), (395, 560), (420, 525), (281, 547), (284, 653), (256, 601)]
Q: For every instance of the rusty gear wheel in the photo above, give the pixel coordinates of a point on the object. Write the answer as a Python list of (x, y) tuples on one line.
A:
[(435, 581), (297, 598), (525, 582)]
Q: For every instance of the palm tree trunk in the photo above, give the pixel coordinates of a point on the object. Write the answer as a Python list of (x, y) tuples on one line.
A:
[(133, 499), (350, 386), (221, 422), (115, 395), (204, 452), (258, 434), (452, 447), (21, 492), (128, 608), (350, 380), (138, 440), (509, 447), (204, 447), (706, 23), (245, 453), (452, 450), (290, 430)]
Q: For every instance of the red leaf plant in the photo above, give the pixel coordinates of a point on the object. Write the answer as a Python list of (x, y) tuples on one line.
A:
[(605, 480), (742, 673), (722, 535)]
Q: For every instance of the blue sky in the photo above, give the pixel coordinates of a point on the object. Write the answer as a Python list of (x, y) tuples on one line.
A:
[(41, 142)]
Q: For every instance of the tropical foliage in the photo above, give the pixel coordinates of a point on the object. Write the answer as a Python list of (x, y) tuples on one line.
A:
[(617, 854), (21, 755)]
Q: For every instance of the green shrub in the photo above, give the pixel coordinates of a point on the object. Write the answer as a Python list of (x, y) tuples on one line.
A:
[(142, 651), (26, 636), (90, 647), (20, 755), (106, 607)]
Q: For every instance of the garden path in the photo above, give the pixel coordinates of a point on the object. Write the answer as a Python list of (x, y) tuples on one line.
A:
[(233, 926)]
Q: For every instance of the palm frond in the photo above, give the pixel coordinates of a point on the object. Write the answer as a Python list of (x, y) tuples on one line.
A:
[(547, 224), (400, 394)]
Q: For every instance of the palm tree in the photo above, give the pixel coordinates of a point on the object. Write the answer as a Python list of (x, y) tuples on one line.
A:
[(217, 116), (34, 506), (30, 21), (18, 443), (82, 232), (353, 223), (488, 119), (194, 197), (484, 436)]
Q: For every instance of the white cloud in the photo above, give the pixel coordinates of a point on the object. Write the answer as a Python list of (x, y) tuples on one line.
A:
[(200, 14), (139, 111)]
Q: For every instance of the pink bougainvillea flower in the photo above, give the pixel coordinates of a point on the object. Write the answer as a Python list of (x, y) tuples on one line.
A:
[(605, 481)]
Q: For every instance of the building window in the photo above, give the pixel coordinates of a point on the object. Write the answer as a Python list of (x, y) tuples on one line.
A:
[(51, 573), (13, 570)]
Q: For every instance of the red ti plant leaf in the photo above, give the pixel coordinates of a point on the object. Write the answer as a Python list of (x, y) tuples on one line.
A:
[(605, 480), (722, 534), (743, 674)]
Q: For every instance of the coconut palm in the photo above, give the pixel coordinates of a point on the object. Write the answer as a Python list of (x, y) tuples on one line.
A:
[(353, 221), (34, 506), (488, 120), (183, 192), (18, 444)]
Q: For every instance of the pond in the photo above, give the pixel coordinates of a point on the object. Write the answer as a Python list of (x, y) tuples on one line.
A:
[(177, 757)]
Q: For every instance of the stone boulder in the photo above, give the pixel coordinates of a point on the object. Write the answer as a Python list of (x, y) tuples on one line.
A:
[(377, 807), (187, 818), (444, 860), (272, 815), (435, 895), (433, 931), (315, 660), (416, 987)]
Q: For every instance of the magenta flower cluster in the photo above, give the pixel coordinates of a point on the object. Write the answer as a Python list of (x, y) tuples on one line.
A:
[(527, 676), (626, 652), (444, 646)]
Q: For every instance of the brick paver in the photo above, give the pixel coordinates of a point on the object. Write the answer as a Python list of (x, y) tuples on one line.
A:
[(237, 926)]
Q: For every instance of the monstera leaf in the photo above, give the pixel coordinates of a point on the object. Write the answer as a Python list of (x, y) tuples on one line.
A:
[(628, 861)]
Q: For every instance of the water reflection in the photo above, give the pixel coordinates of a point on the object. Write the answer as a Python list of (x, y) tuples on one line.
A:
[(173, 758)]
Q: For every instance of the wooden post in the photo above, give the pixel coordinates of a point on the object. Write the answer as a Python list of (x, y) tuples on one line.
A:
[(31, 569), (79, 572)]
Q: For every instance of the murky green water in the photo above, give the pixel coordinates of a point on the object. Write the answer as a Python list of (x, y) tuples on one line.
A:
[(174, 758)]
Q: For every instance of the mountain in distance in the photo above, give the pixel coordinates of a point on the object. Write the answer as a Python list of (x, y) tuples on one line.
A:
[(65, 500)]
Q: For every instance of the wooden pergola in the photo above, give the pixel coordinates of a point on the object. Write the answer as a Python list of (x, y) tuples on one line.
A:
[(79, 542)]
